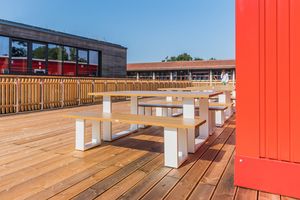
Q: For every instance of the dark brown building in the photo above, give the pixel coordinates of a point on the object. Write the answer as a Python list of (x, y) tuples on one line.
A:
[(182, 70), (31, 50)]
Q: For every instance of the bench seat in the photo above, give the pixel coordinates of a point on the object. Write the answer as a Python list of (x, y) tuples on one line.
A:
[(175, 131)]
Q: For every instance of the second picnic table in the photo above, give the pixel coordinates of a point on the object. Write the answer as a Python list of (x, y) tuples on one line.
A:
[(188, 99)]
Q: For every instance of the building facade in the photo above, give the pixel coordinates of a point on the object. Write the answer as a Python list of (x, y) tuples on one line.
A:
[(206, 70), (29, 50)]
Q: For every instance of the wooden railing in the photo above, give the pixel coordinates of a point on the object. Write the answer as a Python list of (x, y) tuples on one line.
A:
[(208, 83), (26, 93)]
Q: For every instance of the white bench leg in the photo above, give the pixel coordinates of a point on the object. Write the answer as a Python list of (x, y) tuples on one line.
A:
[(225, 98), (148, 111), (96, 132), (141, 112), (175, 145), (220, 118), (80, 132), (107, 127), (179, 110), (213, 118), (134, 110), (159, 112)]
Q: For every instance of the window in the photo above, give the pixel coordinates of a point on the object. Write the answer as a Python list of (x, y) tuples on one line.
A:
[(4, 55), (93, 63), (82, 62), (54, 59), (19, 56), (70, 61), (38, 58)]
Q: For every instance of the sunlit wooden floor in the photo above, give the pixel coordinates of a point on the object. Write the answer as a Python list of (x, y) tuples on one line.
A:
[(38, 161)]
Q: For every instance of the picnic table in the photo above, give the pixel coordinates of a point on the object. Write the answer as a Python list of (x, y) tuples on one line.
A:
[(188, 99), (225, 97)]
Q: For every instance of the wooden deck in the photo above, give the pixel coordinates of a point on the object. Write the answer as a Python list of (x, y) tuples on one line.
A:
[(38, 161)]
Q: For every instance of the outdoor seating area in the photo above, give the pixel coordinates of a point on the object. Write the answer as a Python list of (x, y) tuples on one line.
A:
[(130, 167)]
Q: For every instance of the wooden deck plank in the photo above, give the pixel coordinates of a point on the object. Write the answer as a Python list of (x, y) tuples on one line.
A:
[(267, 196), (226, 188), (39, 161), (182, 190), (244, 193)]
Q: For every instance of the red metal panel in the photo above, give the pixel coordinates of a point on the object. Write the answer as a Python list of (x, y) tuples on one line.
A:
[(247, 69), (262, 82), (294, 80), (271, 78), (283, 52), (267, 175)]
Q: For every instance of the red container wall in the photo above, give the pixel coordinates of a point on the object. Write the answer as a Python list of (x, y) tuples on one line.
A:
[(268, 80), (268, 67)]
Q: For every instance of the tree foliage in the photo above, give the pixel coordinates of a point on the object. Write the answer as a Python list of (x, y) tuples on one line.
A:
[(184, 57), (212, 58)]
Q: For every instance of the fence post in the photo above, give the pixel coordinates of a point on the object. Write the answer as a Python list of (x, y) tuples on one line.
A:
[(141, 85), (133, 85), (105, 84), (116, 89), (62, 93), (42, 94), (93, 91), (17, 95), (79, 93)]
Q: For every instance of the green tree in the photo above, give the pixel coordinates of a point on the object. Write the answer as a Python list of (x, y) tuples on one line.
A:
[(183, 57), (212, 58), (39, 53), (198, 58)]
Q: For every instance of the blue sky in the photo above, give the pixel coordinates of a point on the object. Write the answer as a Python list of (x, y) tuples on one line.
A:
[(149, 29)]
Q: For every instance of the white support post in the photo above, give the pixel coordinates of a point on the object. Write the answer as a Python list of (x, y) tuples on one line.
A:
[(96, 132), (225, 98), (148, 111), (137, 76), (141, 112), (159, 112), (203, 114), (175, 146), (189, 112), (80, 132), (134, 109), (210, 77), (153, 76), (107, 129), (220, 118), (169, 110), (179, 99)]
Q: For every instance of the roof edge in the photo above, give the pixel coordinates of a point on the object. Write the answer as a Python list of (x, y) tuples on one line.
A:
[(44, 30)]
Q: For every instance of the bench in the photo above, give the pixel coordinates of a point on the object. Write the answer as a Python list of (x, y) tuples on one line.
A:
[(220, 117), (175, 131), (216, 113)]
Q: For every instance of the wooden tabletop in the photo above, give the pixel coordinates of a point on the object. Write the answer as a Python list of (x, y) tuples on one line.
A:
[(213, 88), (157, 94)]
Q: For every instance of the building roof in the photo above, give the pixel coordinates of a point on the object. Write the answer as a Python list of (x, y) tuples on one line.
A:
[(34, 28), (182, 65)]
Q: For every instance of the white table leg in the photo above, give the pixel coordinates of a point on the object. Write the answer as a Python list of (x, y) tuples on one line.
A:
[(159, 112), (107, 129), (220, 118), (175, 145), (189, 112), (170, 111), (225, 98), (80, 132), (148, 111), (141, 112), (203, 114), (134, 109)]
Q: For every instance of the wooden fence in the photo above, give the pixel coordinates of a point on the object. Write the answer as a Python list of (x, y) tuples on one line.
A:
[(26, 93), (208, 83)]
